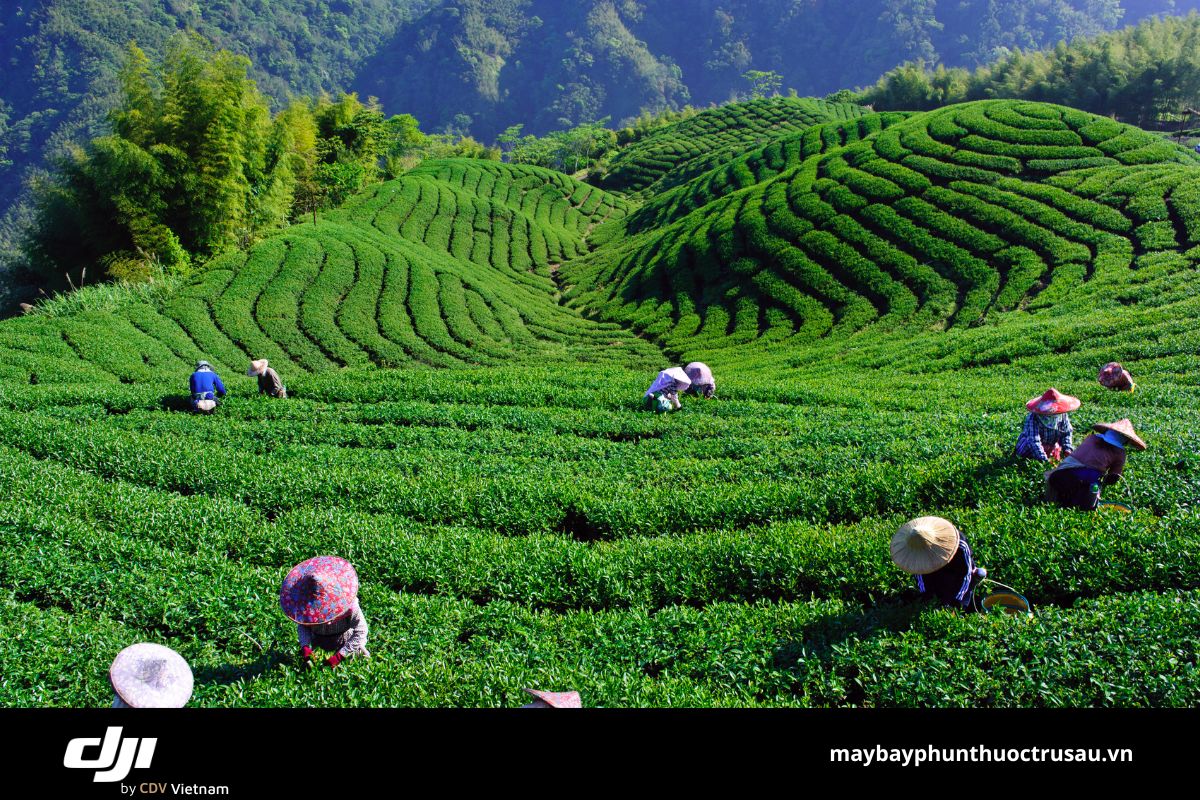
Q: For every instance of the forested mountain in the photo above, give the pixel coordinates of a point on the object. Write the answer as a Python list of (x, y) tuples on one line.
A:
[(61, 58), (487, 64), (480, 66)]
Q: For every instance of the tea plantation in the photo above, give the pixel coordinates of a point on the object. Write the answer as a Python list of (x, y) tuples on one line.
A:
[(466, 348)]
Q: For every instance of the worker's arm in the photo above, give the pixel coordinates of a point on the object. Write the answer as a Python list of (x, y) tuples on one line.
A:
[(305, 636), (220, 387), (358, 639), (1116, 470), (1068, 439)]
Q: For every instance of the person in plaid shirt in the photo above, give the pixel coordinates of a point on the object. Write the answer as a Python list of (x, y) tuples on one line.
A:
[(1046, 434)]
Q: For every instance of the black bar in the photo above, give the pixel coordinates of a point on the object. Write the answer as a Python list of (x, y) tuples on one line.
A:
[(349, 751)]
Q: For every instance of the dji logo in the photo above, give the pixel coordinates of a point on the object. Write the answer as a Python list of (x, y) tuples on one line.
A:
[(116, 755)]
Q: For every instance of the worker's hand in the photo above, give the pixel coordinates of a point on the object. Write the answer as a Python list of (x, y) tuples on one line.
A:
[(334, 660), (306, 655)]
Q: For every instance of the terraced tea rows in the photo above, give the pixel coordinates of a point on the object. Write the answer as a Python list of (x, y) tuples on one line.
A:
[(934, 221), (672, 155), (489, 523), (877, 322), (449, 265)]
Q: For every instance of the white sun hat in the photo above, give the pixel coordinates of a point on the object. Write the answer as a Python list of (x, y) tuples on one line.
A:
[(147, 675)]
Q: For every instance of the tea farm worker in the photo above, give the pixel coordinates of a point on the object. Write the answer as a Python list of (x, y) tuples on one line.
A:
[(702, 379), (149, 675), (1114, 376), (1075, 483), (268, 379), (206, 387), (321, 596), (1046, 434), (668, 384), (938, 554)]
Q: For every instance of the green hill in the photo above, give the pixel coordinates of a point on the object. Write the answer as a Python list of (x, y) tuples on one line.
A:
[(667, 156), (449, 265), (941, 220), (879, 297)]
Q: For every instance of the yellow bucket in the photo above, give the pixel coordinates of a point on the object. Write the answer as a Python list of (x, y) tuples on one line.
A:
[(1009, 603)]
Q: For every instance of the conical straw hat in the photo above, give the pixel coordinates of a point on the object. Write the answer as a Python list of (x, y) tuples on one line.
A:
[(924, 545), (1053, 402), (319, 590), (151, 676), (1125, 428)]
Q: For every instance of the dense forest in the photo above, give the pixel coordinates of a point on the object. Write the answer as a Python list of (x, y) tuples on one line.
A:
[(195, 164), (488, 64), (1148, 75)]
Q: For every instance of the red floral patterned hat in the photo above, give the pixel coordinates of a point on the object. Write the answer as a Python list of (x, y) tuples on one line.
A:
[(1053, 402), (319, 590), (554, 699)]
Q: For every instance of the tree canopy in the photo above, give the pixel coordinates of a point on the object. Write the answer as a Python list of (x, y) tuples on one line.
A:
[(1148, 75), (196, 164)]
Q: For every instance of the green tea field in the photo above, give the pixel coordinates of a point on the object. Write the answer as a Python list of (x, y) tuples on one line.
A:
[(466, 348)]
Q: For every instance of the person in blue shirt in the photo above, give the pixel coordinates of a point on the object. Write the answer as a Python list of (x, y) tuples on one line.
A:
[(206, 387)]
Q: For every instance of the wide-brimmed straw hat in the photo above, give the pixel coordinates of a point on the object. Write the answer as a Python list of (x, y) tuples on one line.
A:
[(1125, 428), (924, 545), (1053, 402), (257, 367), (200, 364), (319, 590), (554, 699), (149, 675)]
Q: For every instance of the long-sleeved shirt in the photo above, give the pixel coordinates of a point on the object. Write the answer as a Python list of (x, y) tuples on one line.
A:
[(666, 383), (347, 634), (269, 383), (1096, 454), (205, 383), (1037, 440)]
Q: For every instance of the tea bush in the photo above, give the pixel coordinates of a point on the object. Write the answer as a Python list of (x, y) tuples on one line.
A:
[(466, 348)]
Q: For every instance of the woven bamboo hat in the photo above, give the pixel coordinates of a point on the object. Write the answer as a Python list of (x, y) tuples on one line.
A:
[(257, 367), (1053, 402), (149, 675), (554, 699), (924, 545), (1125, 428)]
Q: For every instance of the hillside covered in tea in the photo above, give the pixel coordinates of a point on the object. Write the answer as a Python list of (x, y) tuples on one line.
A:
[(465, 350)]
